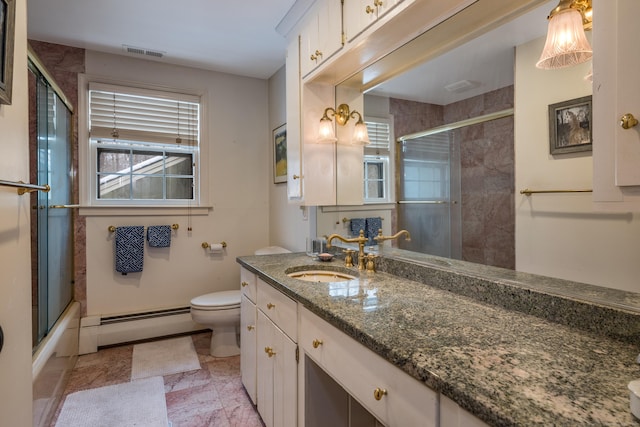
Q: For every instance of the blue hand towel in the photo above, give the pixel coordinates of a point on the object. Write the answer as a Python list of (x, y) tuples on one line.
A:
[(356, 225), (129, 249), (159, 236), (373, 225)]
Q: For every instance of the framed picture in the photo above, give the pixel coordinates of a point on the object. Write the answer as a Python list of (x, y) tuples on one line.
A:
[(7, 29), (570, 126), (280, 154)]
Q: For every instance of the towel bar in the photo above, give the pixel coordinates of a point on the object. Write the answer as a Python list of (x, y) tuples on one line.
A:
[(112, 228), (528, 192), (25, 188), (345, 219)]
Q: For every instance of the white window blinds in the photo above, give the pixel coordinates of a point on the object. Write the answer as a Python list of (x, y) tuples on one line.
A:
[(143, 116), (379, 135)]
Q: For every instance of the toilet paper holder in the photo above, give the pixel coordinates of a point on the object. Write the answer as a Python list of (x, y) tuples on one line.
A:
[(206, 245)]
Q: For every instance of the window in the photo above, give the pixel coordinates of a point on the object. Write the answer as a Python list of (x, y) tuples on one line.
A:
[(144, 146), (377, 174)]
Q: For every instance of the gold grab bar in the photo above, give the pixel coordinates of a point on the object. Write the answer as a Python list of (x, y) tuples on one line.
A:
[(112, 228), (63, 206), (528, 192), (24, 187)]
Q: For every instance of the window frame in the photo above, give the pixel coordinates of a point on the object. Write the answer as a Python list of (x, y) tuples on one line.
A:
[(88, 152)]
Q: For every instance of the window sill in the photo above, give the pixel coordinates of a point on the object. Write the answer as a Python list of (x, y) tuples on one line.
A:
[(159, 210)]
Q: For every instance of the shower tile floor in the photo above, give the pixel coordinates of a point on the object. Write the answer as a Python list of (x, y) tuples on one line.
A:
[(211, 396)]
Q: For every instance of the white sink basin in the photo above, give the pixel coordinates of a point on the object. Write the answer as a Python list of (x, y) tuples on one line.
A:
[(324, 276)]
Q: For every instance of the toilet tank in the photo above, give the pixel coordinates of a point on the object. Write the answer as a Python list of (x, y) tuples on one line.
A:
[(269, 250)]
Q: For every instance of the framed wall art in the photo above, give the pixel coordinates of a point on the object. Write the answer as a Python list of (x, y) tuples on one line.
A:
[(280, 154), (570, 126), (7, 31)]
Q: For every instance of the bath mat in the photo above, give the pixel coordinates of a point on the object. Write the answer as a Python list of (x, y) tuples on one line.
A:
[(164, 357), (138, 403)]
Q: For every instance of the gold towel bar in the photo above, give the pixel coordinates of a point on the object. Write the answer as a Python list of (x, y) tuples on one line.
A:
[(528, 192), (25, 188), (345, 219), (112, 228)]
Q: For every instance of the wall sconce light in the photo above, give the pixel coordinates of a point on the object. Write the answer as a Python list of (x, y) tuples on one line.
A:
[(566, 43), (342, 116)]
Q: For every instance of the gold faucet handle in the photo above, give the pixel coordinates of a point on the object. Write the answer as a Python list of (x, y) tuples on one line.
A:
[(370, 265), (348, 259)]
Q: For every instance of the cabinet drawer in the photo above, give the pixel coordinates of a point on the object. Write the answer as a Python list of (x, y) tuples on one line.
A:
[(248, 284), (278, 307), (401, 399)]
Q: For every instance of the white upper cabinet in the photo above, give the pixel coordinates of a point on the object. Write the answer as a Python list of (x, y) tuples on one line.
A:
[(320, 35), (360, 14), (616, 92)]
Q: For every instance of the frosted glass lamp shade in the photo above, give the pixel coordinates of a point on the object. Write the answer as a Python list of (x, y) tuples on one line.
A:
[(566, 43), (326, 132), (360, 134)]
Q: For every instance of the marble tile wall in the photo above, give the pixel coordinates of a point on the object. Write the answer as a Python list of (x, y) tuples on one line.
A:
[(487, 170)]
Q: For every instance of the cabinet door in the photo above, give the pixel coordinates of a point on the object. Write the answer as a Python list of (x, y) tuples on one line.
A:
[(265, 363), (358, 15), (248, 346), (309, 43), (294, 130), (616, 151), (329, 29)]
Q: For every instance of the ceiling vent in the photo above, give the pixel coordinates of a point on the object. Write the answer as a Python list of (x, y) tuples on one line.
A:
[(461, 86), (142, 51)]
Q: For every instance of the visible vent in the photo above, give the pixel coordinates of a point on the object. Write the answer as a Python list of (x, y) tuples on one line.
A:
[(142, 51), (461, 86)]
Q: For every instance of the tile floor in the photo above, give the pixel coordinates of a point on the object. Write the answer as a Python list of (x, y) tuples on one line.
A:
[(211, 396)]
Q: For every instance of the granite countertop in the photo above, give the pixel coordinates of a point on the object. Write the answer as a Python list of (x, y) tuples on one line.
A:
[(505, 366)]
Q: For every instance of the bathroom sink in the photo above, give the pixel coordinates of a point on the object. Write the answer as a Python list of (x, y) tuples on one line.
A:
[(324, 276)]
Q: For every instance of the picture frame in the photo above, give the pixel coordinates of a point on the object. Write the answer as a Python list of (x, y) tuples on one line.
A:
[(280, 154), (7, 34), (570, 126)]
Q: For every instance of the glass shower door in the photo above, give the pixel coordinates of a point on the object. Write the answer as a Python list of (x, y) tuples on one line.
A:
[(429, 191), (53, 265)]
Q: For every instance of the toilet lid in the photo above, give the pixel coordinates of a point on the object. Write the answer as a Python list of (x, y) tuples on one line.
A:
[(223, 299)]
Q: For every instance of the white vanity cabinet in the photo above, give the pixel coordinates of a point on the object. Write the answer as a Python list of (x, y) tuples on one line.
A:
[(320, 35), (248, 332), (276, 357), (452, 415), (389, 394), (360, 14), (616, 92)]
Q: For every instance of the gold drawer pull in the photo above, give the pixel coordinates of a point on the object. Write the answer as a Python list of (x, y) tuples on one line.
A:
[(378, 393), (269, 351), (243, 284), (270, 306), (250, 327), (316, 343), (628, 121)]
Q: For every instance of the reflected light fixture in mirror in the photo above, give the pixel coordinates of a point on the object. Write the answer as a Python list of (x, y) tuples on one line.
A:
[(567, 43), (342, 115)]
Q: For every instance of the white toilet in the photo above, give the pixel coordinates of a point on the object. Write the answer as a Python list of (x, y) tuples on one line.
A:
[(220, 311)]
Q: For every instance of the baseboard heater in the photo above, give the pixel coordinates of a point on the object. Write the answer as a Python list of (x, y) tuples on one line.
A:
[(98, 331)]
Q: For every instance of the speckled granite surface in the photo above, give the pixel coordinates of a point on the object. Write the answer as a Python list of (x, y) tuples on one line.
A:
[(507, 367)]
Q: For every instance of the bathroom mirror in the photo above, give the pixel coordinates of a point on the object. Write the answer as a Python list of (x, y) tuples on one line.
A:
[(455, 189)]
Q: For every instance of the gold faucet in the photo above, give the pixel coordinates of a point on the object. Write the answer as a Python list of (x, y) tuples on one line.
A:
[(360, 240), (380, 238)]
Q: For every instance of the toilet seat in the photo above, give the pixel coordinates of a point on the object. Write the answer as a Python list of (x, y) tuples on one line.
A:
[(223, 300)]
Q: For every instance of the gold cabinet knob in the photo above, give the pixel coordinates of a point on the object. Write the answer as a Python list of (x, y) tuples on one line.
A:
[(628, 121), (270, 306), (250, 327), (369, 9), (296, 177), (318, 53), (316, 343), (243, 284), (269, 351), (313, 57), (377, 3), (378, 393)]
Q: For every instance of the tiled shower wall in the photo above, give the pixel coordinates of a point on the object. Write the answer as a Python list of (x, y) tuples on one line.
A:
[(487, 170)]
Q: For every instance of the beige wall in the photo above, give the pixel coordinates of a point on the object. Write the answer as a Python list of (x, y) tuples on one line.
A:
[(15, 286), (239, 177), (559, 235)]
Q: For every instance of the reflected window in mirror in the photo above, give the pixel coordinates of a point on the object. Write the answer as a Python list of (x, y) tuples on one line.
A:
[(377, 165)]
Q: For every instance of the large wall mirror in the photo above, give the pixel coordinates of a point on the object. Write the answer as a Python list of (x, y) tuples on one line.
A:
[(453, 170)]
